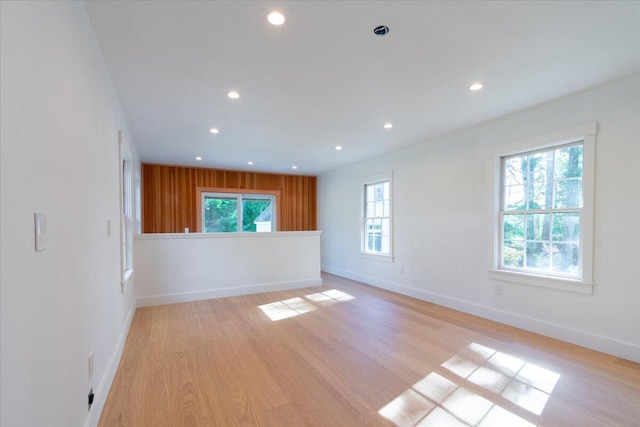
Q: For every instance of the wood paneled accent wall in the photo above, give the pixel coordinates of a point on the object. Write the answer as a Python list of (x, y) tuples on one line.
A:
[(169, 196)]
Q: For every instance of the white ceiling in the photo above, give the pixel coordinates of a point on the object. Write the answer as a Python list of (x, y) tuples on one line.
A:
[(325, 79)]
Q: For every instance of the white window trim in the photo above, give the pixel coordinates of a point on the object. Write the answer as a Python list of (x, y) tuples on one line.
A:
[(239, 197), (126, 222), (586, 133), (384, 176)]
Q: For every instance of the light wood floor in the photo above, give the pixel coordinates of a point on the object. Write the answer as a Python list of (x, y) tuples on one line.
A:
[(346, 354)]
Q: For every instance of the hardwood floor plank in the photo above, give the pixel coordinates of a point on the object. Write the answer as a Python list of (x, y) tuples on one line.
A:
[(346, 354)]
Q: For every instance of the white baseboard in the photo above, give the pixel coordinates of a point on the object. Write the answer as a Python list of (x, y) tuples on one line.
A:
[(102, 391), (607, 345), (226, 292)]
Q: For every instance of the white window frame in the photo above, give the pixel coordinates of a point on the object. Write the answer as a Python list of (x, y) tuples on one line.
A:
[(584, 282), (239, 197), (125, 166), (374, 179)]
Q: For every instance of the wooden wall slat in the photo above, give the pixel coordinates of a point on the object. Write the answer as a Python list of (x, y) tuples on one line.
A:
[(169, 196)]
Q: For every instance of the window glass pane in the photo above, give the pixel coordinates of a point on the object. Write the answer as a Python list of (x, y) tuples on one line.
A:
[(568, 162), (385, 227), (386, 190), (385, 244), (379, 191), (256, 215), (369, 192), (370, 210), (539, 186), (386, 212), (537, 255), (565, 258), (513, 253), (538, 226), (513, 226), (566, 227), (513, 170), (514, 198), (379, 208), (220, 214), (568, 193)]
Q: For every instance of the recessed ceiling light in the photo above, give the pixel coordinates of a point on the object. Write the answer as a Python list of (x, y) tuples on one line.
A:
[(214, 130), (338, 147), (476, 86), (388, 126), (198, 158), (249, 162), (233, 94), (275, 17), (294, 167)]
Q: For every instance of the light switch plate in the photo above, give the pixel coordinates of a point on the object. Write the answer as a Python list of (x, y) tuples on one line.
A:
[(40, 223)]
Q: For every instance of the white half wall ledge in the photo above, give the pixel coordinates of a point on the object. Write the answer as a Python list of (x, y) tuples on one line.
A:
[(173, 268), (231, 291), (599, 343)]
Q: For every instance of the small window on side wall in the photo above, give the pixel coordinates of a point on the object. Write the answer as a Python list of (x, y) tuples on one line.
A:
[(377, 226)]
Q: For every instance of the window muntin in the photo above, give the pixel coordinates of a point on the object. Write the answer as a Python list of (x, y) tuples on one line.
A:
[(377, 217), (221, 212), (541, 210)]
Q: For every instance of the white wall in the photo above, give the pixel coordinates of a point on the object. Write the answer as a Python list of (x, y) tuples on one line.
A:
[(59, 155), (443, 196), (174, 268)]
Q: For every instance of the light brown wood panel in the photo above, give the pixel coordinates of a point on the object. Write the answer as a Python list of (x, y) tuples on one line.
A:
[(169, 203), (366, 357)]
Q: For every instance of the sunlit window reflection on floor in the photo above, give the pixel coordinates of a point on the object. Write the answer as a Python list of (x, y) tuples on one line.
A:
[(294, 306), (523, 383), (286, 308), (439, 401), (330, 297)]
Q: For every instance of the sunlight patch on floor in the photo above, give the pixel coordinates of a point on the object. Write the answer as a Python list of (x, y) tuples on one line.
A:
[(439, 401), (295, 306)]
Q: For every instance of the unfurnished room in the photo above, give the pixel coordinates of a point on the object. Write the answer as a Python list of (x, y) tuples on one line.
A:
[(319, 213)]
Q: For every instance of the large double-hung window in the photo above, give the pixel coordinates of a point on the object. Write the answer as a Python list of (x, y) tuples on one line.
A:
[(545, 216), (541, 209)]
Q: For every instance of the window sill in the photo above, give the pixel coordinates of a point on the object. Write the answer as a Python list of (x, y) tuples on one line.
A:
[(376, 257), (572, 285)]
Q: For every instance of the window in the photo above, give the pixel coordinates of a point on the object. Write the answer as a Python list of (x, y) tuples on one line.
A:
[(377, 224), (541, 204), (238, 212), (544, 224), (126, 210)]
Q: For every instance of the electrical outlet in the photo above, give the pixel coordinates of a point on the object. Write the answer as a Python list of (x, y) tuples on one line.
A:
[(90, 365), (108, 228), (91, 396), (498, 289)]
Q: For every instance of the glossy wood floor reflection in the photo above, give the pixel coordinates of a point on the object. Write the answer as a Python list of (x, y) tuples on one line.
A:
[(346, 354)]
